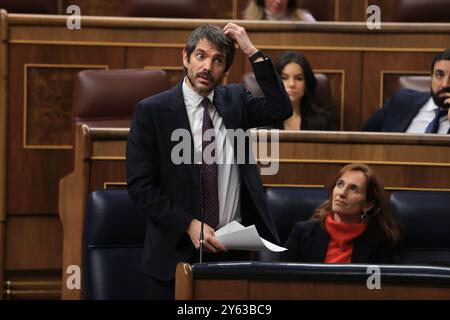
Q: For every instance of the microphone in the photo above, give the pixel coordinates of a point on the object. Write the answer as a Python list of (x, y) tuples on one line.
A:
[(202, 237)]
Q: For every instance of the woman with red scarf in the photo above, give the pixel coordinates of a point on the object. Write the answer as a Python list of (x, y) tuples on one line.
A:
[(353, 226)]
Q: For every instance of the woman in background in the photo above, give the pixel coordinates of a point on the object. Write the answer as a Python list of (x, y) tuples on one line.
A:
[(300, 84), (353, 226), (277, 10)]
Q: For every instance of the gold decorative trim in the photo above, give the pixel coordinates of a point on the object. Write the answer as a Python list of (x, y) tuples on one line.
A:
[(60, 7), (101, 158), (337, 6), (234, 10), (341, 107), (25, 97), (4, 34), (364, 13), (401, 72), (263, 47), (339, 161), (108, 184)]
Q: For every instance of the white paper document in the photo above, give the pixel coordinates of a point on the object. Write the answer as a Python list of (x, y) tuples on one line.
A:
[(237, 237)]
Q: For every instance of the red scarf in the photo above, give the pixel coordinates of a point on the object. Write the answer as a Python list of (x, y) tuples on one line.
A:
[(342, 235)]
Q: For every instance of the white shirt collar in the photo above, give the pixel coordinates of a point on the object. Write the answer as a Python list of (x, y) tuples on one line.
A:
[(191, 98), (430, 105)]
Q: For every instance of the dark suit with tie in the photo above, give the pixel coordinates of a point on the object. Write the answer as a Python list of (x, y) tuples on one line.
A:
[(169, 194), (308, 242), (397, 114)]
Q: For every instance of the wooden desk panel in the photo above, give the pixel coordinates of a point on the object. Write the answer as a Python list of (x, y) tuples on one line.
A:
[(266, 288)]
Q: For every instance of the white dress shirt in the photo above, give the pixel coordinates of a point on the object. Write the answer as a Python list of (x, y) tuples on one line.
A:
[(228, 175), (425, 115)]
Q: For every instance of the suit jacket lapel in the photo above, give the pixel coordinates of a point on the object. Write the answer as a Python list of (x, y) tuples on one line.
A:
[(181, 121), (224, 108)]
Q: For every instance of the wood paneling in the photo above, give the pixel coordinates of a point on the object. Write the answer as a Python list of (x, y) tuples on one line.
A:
[(217, 9), (48, 105), (95, 7), (41, 168), (376, 64), (388, 9), (33, 243), (351, 10), (32, 284), (112, 171), (316, 290), (2, 251), (3, 134)]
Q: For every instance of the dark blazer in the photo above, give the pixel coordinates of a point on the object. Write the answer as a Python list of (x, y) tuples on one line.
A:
[(397, 113), (169, 194), (317, 122), (308, 242)]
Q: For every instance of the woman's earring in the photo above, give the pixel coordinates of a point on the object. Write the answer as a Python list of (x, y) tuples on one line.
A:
[(365, 217)]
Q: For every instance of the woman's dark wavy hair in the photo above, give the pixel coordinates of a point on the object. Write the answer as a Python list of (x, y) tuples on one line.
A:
[(313, 116)]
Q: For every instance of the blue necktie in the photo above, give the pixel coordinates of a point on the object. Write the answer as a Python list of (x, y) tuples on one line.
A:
[(210, 193), (433, 126)]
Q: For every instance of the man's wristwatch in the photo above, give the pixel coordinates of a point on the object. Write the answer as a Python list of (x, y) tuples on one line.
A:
[(256, 55)]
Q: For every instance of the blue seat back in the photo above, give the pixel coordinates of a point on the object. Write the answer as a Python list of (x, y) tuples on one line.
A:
[(114, 232), (291, 205), (426, 218)]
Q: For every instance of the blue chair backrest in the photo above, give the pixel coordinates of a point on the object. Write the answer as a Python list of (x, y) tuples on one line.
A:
[(426, 218), (114, 231), (291, 205)]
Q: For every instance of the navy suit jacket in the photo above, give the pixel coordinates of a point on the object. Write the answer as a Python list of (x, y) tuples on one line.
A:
[(397, 114), (308, 242), (169, 194)]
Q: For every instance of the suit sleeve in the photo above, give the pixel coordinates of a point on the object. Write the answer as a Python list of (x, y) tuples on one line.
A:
[(143, 179), (275, 106), (376, 121)]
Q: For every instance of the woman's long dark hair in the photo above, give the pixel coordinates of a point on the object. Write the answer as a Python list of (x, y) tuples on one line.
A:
[(313, 116)]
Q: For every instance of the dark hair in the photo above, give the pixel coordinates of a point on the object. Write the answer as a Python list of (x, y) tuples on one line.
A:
[(215, 36), (444, 55), (380, 215), (313, 116), (291, 6)]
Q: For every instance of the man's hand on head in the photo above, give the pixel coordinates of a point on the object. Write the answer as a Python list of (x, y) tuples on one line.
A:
[(240, 36)]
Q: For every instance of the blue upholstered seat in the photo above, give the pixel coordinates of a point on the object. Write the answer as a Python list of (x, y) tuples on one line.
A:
[(426, 218), (114, 231)]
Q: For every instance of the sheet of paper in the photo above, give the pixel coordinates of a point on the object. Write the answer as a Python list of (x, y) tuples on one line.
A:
[(237, 237)]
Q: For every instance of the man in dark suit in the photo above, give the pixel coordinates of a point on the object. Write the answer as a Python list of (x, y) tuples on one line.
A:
[(418, 112), (173, 193)]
